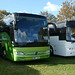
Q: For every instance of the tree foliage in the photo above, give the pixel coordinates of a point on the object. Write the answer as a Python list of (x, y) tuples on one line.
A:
[(2, 13), (74, 12), (66, 11), (50, 17), (2, 24)]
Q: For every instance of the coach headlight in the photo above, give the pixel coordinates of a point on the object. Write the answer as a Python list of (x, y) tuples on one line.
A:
[(48, 51), (19, 53)]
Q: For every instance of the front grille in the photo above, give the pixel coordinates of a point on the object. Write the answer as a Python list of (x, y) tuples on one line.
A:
[(35, 53)]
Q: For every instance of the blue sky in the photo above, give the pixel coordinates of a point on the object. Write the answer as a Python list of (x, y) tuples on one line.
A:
[(31, 6)]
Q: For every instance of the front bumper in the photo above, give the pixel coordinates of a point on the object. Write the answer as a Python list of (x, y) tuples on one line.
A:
[(29, 58)]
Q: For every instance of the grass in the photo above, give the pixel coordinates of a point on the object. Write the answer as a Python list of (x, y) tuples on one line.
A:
[(55, 65)]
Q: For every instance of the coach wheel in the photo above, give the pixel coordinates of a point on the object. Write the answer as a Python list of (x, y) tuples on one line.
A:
[(51, 51), (4, 53)]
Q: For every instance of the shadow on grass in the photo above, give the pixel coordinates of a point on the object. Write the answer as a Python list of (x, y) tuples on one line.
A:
[(8, 67), (53, 60)]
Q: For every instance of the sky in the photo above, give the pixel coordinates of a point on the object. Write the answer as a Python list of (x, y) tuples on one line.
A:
[(32, 6)]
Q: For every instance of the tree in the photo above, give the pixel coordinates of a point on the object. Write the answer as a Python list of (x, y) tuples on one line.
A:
[(66, 11), (2, 24), (2, 13), (50, 17), (74, 12)]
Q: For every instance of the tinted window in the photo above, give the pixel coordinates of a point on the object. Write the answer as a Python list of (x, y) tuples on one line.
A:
[(73, 33), (62, 33), (30, 29)]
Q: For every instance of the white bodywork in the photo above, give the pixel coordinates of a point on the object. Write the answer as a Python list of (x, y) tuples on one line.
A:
[(8, 19), (62, 47)]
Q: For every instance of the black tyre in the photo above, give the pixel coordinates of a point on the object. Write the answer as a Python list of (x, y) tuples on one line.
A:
[(4, 53), (51, 51)]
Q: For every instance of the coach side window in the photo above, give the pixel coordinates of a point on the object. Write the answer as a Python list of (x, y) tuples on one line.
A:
[(62, 34), (68, 33), (52, 30)]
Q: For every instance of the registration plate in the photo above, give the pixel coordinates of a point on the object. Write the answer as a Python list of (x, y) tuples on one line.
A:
[(35, 57)]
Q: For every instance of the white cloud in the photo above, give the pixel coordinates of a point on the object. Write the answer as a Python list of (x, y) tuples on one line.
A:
[(52, 7), (22, 11)]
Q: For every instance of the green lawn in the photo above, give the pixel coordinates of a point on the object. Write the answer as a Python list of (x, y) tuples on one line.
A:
[(55, 65)]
